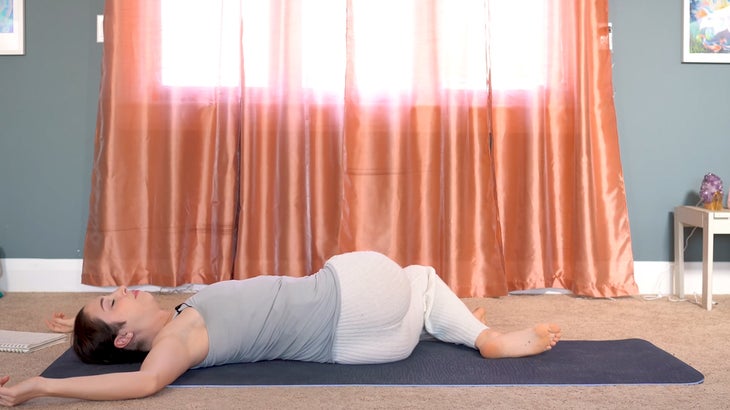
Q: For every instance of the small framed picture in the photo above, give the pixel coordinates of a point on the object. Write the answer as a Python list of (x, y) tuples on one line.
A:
[(706, 31), (12, 27)]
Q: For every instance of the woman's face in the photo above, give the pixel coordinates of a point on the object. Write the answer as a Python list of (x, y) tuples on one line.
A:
[(123, 305)]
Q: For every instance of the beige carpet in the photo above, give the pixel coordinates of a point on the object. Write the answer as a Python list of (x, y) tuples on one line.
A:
[(698, 337)]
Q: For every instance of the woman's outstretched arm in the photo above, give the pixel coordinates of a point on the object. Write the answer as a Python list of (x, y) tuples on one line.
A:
[(59, 323), (165, 363), (111, 386)]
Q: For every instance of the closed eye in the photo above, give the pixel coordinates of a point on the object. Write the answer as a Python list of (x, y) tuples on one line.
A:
[(109, 304)]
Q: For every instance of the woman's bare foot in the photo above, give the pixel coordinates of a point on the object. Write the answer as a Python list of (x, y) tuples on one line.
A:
[(527, 342)]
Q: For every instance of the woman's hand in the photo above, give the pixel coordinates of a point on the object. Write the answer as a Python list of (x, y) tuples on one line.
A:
[(19, 393), (59, 323)]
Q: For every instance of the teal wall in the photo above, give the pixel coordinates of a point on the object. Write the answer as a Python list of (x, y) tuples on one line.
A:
[(673, 122), (48, 103), (673, 118)]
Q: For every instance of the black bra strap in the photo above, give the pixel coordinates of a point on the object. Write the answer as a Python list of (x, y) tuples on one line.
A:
[(179, 308)]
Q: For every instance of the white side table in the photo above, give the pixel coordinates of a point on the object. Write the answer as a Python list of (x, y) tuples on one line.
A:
[(712, 223)]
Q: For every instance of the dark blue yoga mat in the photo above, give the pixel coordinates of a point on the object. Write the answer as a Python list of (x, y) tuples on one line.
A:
[(612, 362)]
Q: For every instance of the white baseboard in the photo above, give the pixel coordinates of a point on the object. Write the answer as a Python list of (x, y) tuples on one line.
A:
[(655, 278), (56, 275), (64, 275)]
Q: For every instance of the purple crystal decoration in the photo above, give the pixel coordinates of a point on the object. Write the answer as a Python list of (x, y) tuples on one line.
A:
[(711, 184)]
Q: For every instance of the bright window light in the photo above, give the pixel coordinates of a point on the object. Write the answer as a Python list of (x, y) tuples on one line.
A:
[(201, 43), (323, 22), (199, 48), (518, 32), (384, 45), (463, 67)]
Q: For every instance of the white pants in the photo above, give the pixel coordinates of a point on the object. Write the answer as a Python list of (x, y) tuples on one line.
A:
[(385, 309)]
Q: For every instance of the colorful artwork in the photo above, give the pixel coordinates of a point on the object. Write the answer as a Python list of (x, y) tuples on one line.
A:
[(709, 26), (6, 16)]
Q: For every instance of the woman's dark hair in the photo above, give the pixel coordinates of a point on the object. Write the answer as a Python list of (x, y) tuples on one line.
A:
[(93, 342)]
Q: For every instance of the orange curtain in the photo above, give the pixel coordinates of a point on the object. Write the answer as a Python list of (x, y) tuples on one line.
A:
[(356, 148), (561, 194), (164, 202)]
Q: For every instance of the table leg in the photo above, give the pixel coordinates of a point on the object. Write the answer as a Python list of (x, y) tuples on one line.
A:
[(678, 282), (707, 260)]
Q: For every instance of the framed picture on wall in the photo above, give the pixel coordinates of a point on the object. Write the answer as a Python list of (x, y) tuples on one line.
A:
[(706, 33), (12, 27)]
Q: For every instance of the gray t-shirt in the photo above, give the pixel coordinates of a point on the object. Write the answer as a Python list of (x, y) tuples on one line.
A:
[(270, 317)]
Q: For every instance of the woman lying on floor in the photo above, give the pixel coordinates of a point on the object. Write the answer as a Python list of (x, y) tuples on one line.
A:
[(360, 308)]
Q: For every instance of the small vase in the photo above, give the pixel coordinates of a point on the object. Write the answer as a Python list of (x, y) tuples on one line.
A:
[(716, 203)]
